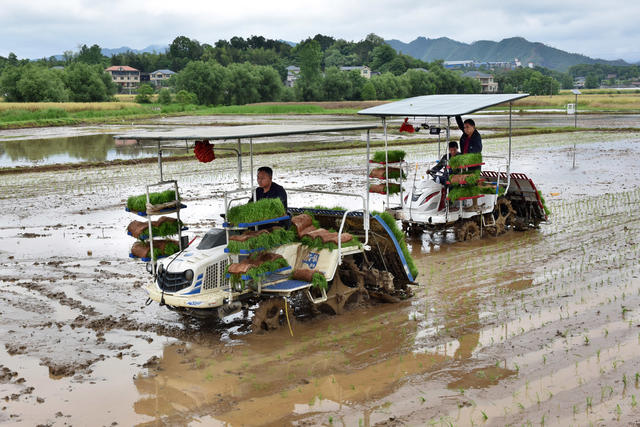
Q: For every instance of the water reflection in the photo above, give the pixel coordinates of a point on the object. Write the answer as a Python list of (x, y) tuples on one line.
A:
[(86, 148)]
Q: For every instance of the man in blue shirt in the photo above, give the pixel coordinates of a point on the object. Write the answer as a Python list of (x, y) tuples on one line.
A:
[(267, 189)]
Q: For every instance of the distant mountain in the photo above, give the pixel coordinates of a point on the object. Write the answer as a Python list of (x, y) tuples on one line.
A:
[(292, 44), (485, 50), (158, 48)]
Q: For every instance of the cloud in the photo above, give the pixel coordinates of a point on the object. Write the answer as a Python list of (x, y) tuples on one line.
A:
[(42, 28)]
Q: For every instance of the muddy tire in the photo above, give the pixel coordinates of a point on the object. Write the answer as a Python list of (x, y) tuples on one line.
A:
[(270, 314), (504, 212), (469, 230)]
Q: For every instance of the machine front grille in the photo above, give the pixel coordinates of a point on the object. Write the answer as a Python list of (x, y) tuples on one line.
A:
[(172, 282), (214, 276)]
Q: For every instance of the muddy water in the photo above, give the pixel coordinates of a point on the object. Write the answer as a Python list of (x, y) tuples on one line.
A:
[(528, 327)]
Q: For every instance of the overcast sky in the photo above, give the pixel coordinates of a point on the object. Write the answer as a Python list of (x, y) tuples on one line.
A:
[(41, 28)]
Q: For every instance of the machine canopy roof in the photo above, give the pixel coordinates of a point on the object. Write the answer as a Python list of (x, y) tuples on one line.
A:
[(440, 105), (211, 133)]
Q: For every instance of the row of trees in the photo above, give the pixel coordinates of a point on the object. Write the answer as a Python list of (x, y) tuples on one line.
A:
[(528, 80), (79, 82)]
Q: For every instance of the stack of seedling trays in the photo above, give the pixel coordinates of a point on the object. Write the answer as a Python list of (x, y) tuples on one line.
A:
[(255, 261), (156, 238), (467, 184), (389, 173)]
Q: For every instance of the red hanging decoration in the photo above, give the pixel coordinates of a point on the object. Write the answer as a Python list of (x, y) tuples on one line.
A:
[(204, 151), (406, 127)]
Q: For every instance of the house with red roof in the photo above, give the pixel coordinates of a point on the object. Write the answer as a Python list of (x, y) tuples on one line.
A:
[(125, 76)]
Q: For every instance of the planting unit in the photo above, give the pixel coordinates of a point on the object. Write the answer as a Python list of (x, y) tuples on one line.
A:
[(280, 263), (470, 203)]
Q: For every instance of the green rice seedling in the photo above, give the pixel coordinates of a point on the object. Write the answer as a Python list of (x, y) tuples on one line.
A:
[(392, 156), (634, 403), (139, 203), (168, 228), (462, 160), (318, 281), (257, 211)]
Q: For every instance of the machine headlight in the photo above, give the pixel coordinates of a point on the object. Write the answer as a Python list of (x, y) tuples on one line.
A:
[(160, 268), (188, 275)]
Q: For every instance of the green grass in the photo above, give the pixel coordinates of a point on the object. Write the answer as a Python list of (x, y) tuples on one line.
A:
[(256, 211), (18, 115), (266, 241), (462, 160), (139, 203), (392, 156), (399, 235)]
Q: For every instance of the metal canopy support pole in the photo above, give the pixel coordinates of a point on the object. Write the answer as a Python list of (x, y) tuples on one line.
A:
[(439, 155), (251, 160), (160, 160), (575, 113), (366, 210), (446, 204), (509, 158), (239, 165), (386, 158)]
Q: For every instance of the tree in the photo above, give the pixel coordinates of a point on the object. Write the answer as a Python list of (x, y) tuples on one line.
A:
[(592, 81), (308, 85), (336, 85), (91, 55), (164, 97), (182, 51), (382, 55), (32, 83), (185, 97), (87, 83), (368, 91), (144, 94), (206, 80)]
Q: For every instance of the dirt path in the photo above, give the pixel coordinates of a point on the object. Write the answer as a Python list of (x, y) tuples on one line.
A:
[(532, 327)]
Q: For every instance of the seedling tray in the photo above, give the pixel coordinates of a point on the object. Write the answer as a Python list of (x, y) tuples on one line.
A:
[(247, 277), (160, 212), (243, 225), (143, 238), (245, 251), (467, 166), (146, 259)]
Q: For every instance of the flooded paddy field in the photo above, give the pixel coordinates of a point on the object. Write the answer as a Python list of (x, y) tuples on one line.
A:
[(539, 327)]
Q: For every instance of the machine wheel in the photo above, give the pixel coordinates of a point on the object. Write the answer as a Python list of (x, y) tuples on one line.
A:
[(503, 213), (268, 314), (469, 230)]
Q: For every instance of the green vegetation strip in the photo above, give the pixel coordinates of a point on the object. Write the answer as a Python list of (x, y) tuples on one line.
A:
[(392, 156), (399, 235), (139, 203), (256, 211)]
